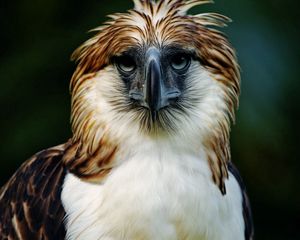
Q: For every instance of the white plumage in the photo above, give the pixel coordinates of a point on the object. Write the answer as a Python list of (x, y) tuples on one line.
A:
[(162, 188), (160, 193)]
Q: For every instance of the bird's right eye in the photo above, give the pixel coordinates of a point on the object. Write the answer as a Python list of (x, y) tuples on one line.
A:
[(126, 64)]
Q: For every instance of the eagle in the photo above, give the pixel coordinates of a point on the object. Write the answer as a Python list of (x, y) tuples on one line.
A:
[(153, 96)]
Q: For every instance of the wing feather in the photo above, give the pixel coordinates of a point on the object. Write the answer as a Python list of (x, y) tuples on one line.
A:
[(30, 203), (247, 214)]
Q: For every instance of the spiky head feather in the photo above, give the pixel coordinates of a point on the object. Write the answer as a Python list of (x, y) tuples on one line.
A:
[(152, 23)]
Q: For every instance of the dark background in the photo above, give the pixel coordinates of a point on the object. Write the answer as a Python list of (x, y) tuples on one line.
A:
[(37, 38)]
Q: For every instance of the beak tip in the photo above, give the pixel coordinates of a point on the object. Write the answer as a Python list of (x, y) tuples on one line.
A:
[(153, 115)]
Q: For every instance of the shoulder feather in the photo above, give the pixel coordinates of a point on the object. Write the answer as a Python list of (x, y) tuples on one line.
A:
[(30, 204), (247, 214)]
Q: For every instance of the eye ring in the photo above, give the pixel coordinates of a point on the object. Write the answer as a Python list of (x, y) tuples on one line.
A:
[(125, 64), (180, 62)]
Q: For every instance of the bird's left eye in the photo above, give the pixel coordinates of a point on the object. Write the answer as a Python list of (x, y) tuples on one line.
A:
[(180, 62), (126, 64)]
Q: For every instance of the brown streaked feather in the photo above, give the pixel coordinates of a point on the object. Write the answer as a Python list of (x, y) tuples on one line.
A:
[(90, 166), (30, 203), (218, 153)]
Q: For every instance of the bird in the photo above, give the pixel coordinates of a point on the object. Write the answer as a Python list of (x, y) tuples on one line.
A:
[(153, 97)]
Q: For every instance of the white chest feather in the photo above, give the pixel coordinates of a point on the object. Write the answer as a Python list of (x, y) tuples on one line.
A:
[(165, 196)]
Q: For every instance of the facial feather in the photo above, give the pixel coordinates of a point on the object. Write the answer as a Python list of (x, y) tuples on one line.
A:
[(104, 118)]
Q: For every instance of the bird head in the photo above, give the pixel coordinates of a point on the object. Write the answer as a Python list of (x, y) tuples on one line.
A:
[(156, 72)]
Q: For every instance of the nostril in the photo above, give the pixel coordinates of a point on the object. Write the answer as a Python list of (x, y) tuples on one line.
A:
[(136, 95), (173, 94)]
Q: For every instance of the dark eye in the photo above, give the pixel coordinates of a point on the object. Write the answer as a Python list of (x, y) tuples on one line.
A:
[(126, 64), (180, 62)]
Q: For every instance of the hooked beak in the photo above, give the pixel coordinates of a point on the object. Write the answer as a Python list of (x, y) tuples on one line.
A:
[(154, 82), (155, 94)]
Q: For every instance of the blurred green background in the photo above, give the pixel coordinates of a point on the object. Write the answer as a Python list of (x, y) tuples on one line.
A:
[(37, 38)]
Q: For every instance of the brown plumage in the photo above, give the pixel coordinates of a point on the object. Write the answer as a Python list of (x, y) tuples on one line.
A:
[(30, 205)]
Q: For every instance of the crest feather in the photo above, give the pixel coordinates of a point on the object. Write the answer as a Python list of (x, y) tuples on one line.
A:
[(182, 6), (212, 19), (187, 5)]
